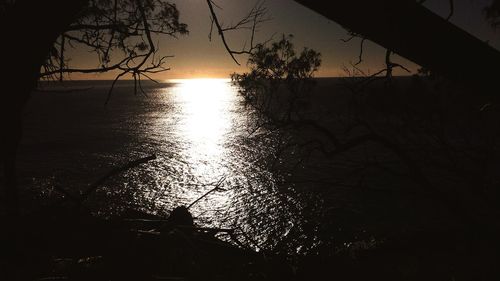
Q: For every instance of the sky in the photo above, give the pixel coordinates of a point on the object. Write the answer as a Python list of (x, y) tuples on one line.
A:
[(195, 56)]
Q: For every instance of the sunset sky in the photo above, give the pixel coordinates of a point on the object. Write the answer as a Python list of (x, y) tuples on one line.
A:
[(197, 57)]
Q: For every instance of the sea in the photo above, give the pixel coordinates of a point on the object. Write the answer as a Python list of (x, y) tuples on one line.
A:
[(208, 152), (214, 155)]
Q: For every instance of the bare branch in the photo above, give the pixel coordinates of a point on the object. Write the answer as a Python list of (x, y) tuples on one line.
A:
[(255, 16), (361, 47), (123, 29), (452, 9)]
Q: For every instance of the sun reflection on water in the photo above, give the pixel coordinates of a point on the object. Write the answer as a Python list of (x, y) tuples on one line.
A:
[(205, 107), (199, 131), (201, 127)]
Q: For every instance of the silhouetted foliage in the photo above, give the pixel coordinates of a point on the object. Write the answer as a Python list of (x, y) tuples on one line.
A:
[(121, 33), (406, 143), (274, 66)]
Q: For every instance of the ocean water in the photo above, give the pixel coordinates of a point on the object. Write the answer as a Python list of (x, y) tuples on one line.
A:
[(275, 193), (200, 132)]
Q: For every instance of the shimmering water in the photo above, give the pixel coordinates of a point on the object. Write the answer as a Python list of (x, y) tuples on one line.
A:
[(199, 130)]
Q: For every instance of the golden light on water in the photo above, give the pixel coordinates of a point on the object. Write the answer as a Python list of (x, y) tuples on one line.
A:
[(205, 110), (201, 126)]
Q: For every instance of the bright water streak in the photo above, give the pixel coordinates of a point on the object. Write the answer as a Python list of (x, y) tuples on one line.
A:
[(197, 128)]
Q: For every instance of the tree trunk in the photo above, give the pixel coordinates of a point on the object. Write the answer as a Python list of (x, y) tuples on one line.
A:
[(11, 138), (31, 28)]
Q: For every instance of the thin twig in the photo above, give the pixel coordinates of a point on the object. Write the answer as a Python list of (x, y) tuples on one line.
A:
[(217, 187), (114, 172)]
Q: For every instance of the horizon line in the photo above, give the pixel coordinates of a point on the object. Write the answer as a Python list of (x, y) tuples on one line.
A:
[(193, 78)]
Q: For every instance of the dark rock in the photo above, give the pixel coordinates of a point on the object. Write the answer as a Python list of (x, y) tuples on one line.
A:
[(180, 216)]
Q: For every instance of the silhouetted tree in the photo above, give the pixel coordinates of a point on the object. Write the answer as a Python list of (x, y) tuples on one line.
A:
[(412, 31), (37, 35), (388, 121), (427, 137), (275, 66)]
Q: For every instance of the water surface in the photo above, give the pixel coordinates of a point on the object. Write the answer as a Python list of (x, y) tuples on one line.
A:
[(200, 132)]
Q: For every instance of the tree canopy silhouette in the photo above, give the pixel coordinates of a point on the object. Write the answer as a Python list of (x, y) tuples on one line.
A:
[(121, 34), (410, 30), (272, 67)]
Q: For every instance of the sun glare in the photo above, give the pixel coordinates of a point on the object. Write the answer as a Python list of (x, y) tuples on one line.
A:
[(205, 105)]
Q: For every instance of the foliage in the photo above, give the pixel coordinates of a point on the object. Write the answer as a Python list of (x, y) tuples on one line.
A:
[(402, 138), (120, 34), (276, 65)]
